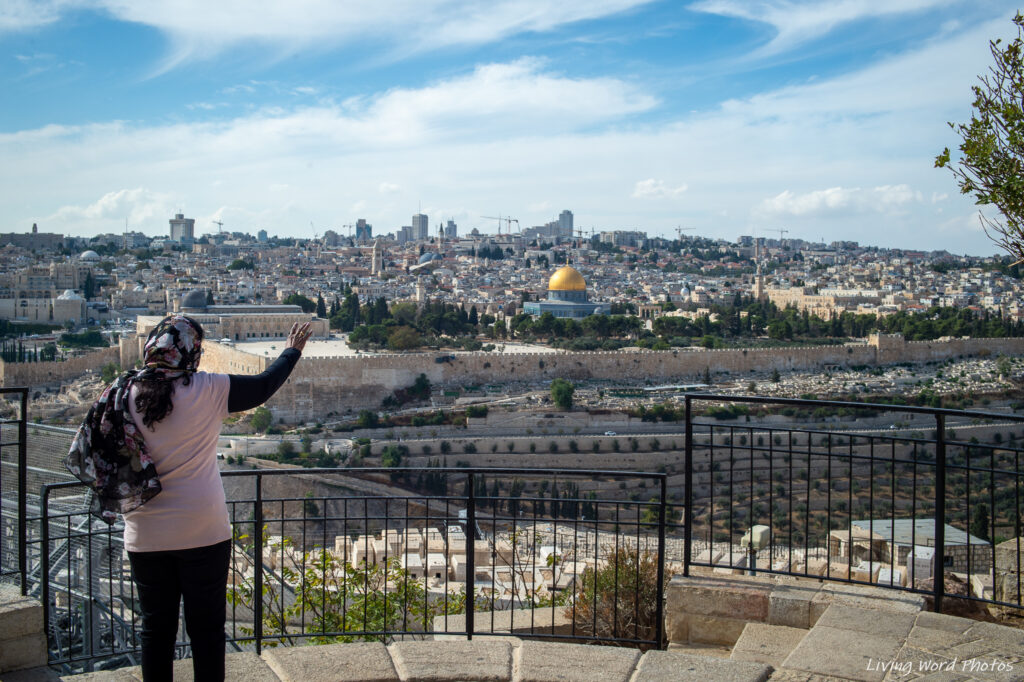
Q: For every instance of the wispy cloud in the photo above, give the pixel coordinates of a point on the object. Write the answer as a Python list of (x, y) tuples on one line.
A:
[(656, 189), (202, 29), (797, 22)]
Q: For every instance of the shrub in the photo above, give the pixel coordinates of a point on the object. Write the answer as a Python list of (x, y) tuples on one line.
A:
[(619, 600), (469, 448)]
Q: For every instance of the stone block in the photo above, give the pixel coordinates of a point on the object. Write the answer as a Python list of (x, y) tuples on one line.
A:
[(739, 597), (864, 596), (354, 662), (674, 666), (20, 615), (893, 625), (677, 626), (483, 660), (762, 643), (27, 651), (790, 605), (841, 653), (557, 662), (119, 675), (715, 630), (940, 621)]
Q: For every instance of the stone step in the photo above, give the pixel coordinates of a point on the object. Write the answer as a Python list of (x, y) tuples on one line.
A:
[(763, 643), (492, 659)]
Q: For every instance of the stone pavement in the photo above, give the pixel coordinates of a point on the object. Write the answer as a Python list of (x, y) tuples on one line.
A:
[(847, 643)]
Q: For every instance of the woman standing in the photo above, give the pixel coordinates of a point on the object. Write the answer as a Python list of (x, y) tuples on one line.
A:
[(148, 448)]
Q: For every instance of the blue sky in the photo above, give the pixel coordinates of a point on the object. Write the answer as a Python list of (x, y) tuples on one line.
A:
[(732, 117)]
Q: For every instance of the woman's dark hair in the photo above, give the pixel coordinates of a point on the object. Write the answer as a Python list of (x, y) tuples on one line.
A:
[(153, 397)]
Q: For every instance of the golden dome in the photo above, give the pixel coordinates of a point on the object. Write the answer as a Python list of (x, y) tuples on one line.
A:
[(567, 279)]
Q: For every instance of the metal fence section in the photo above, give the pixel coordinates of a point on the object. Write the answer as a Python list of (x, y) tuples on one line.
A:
[(902, 504), (325, 555), (13, 487)]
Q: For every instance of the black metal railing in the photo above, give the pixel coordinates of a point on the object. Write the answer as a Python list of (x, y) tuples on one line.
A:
[(885, 495), (899, 501), (322, 555), (13, 489)]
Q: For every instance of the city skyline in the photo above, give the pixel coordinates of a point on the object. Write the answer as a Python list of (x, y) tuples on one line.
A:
[(731, 118)]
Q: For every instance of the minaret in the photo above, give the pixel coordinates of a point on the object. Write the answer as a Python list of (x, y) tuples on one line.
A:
[(377, 264), (759, 276)]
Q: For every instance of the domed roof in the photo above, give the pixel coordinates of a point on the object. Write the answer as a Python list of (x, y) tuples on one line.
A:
[(69, 295), (567, 279), (429, 256), (90, 255), (194, 299)]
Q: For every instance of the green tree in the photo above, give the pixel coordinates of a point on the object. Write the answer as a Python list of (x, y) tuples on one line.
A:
[(307, 305), (404, 338), (285, 450), (561, 393), (991, 163), (321, 306), (979, 522), (261, 419), (110, 372)]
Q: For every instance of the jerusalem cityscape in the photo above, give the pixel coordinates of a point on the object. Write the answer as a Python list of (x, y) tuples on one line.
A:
[(565, 346)]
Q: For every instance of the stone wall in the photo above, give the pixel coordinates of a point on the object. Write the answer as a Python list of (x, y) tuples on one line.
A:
[(323, 387), (40, 373)]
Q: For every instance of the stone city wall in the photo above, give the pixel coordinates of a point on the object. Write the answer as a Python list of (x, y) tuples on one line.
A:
[(39, 373), (323, 387)]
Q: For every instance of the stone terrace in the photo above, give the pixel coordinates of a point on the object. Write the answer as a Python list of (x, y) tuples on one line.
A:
[(856, 634)]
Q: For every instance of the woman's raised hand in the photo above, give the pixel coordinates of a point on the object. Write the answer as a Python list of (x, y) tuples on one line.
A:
[(298, 336)]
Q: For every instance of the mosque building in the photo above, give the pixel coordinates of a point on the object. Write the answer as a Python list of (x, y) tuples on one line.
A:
[(567, 297)]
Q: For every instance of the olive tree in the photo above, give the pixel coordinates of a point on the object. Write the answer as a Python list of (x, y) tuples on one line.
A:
[(991, 160)]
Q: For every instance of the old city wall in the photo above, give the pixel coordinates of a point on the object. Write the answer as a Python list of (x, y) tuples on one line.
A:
[(41, 373), (323, 387)]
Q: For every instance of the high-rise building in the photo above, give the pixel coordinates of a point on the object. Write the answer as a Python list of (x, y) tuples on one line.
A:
[(565, 223), (261, 236), (182, 229), (420, 227), (451, 231), (364, 230)]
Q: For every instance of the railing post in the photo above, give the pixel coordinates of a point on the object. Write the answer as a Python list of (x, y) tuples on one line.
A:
[(23, 495), (44, 558), (258, 565), (470, 555), (688, 482), (660, 613), (939, 572)]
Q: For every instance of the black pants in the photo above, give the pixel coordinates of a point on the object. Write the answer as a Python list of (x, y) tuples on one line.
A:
[(199, 576)]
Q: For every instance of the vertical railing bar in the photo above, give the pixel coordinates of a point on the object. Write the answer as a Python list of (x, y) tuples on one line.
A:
[(470, 541), (44, 568), (23, 493), (258, 551), (688, 482), (992, 515), (939, 574), (660, 593)]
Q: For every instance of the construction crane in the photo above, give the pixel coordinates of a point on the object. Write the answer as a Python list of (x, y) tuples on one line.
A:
[(508, 222), (680, 229), (782, 234), (218, 223)]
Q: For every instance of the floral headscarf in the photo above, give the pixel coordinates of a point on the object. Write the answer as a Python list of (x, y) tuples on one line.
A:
[(109, 453)]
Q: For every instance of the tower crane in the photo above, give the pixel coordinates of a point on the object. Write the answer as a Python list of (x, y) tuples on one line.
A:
[(218, 223), (508, 222), (782, 234), (680, 229)]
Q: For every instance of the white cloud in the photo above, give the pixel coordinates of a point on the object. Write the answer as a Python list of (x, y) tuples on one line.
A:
[(838, 199), (140, 206), (201, 29), (387, 188), (799, 22), (656, 189), (855, 153)]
